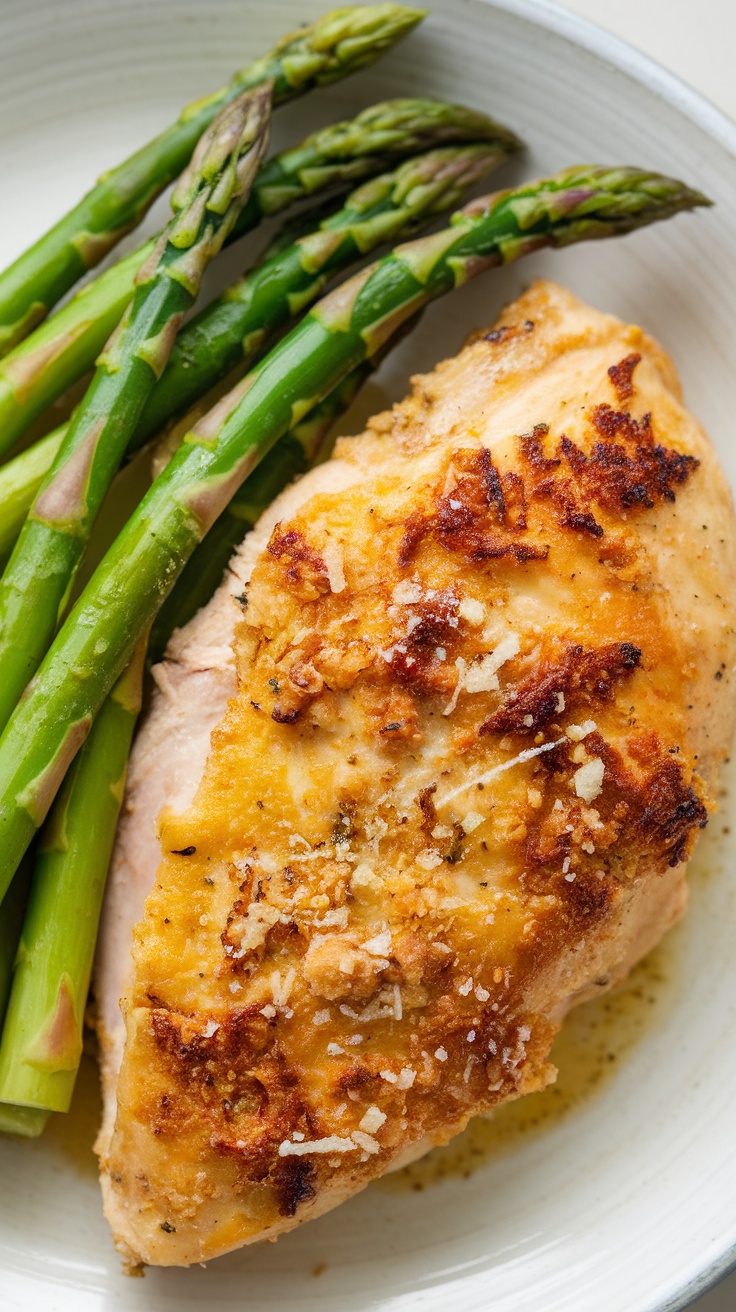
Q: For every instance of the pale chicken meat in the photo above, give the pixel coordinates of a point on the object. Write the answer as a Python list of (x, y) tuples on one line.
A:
[(426, 772)]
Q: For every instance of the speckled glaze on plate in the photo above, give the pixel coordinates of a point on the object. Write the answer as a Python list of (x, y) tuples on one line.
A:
[(627, 1203)]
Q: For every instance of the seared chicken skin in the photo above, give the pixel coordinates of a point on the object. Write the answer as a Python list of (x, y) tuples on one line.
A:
[(484, 663)]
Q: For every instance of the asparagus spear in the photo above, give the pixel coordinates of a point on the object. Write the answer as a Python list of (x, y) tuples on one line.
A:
[(42, 1037), (40, 571), (64, 348), (330, 48), (25, 1121), (349, 325), (240, 322), (234, 326), (11, 919), (20, 480), (227, 332), (291, 456)]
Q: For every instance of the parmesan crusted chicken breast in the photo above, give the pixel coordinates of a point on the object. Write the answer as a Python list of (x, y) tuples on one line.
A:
[(468, 690)]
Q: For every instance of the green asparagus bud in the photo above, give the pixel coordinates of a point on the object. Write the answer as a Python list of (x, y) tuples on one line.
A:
[(40, 572), (61, 350), (330, 48), (239, 324), (233, 328), (349, 325)]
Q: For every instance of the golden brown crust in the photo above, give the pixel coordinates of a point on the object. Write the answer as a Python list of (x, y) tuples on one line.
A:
[(472, 746)]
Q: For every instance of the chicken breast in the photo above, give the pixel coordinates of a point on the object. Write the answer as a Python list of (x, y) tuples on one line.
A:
[(466, 722)]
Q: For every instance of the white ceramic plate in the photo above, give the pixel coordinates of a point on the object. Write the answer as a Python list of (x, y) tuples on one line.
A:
[(628, 1202)]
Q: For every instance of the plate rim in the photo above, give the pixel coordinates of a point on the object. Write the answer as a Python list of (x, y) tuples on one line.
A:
[(693, 105), (590, 36)]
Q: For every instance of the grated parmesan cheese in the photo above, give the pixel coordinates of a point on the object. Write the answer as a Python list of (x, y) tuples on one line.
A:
[(338, 918), (576, 732), (366, 1141), (406, 1078), (332, 556), (379, 945), (407, 593), (472, 820), (429, 859), (259, 918), (472, 611), (322, 1017), (482, 675), (499, 769), (589, 779), (372, 1120), (332, 1143), (365, 880), (281, 988), (442, 831)]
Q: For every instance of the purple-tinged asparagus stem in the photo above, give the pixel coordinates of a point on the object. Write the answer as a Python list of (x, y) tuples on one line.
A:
[(335, 45), (40, 572), (348, 326)]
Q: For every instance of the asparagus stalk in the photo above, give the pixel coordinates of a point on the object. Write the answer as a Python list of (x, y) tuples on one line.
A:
[(233, 328), (25, 1121), (42, 1037), (349, 325), (63, 349), (20, 480), (28, 1122), (248, 315), (40, 572), (337, 44), (11, 919), (291, 456)]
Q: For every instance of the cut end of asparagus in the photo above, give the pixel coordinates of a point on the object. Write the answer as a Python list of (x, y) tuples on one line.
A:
[(26, 1122), (340, 42)]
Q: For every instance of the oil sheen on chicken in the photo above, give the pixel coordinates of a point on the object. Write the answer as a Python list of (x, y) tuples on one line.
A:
[(480, 678)]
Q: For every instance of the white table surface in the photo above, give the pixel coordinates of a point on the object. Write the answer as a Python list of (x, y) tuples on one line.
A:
[(697, 40)]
